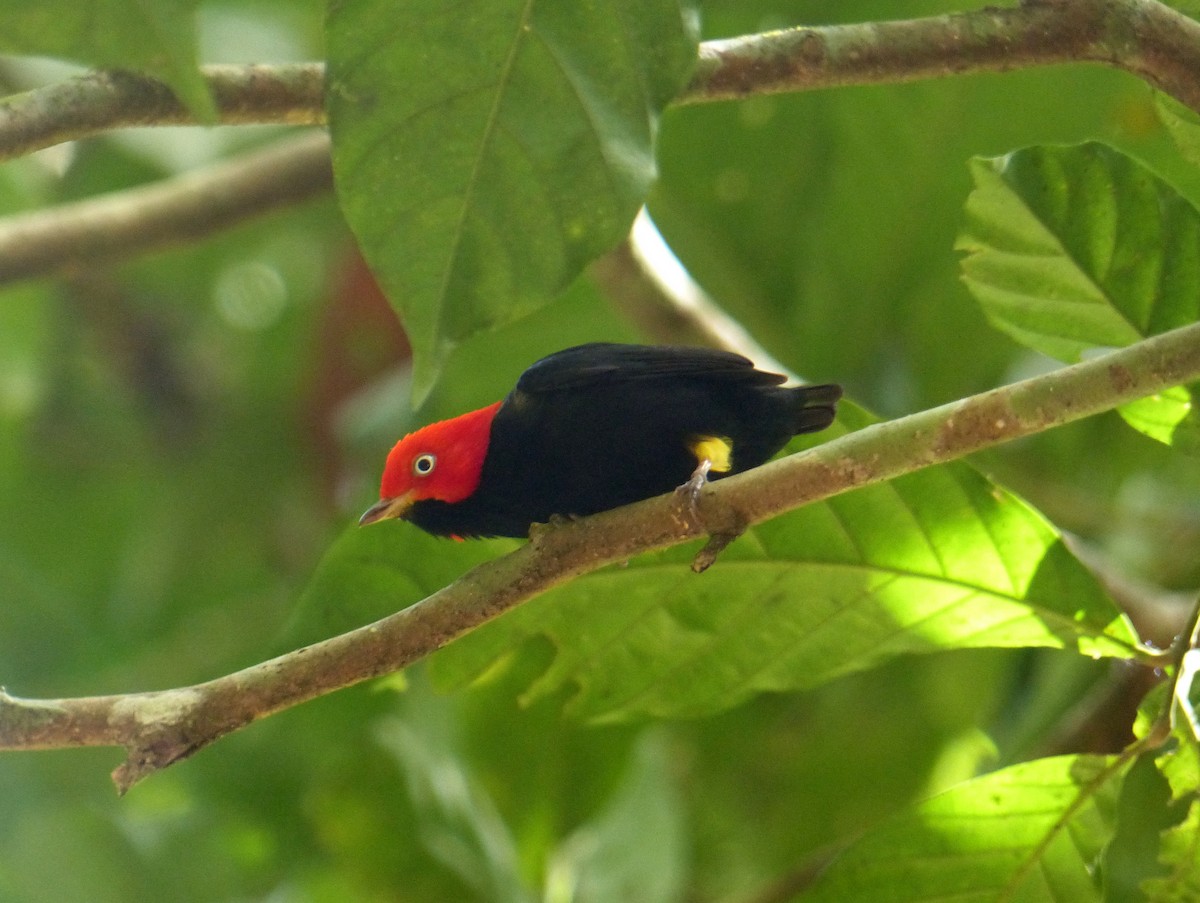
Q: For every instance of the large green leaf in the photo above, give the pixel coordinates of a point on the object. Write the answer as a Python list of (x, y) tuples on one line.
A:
[(938, 560), (158, 38), (485, 152), (1031, 832), (1076, 248)]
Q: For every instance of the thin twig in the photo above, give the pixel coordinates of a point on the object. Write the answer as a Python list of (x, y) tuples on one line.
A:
[(1186, 653), (290, 94), (177, 210), (644, 281), (1143, 37), (159, 728)]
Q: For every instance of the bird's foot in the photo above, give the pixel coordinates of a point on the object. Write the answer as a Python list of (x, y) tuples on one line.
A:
[(537, 531), (690, 491), (717, 541)]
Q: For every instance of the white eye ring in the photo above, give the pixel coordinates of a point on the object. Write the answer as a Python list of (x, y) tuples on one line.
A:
[(423, 465)]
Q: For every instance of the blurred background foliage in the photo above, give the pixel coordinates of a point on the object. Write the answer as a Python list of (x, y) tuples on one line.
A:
[(183, 435)]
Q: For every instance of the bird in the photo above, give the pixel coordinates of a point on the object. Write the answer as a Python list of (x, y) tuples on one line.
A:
[(594, 427)]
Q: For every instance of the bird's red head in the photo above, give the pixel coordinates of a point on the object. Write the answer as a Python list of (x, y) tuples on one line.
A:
[(442, 461)]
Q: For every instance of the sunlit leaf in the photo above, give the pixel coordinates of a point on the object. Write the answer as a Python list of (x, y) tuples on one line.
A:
[(1031, 832), (158, 38), (1173, 844), (485, 152), (1071, 249), (1180, 853), (1166, 416), (937, 560)]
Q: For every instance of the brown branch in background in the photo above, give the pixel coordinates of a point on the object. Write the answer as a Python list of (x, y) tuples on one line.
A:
[(159, 728), (180, 209), (1143, 37), (1140, 36), (289, 94), (643, 281)]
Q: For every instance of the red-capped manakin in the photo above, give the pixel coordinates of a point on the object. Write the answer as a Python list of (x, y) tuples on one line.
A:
[(591, 428)]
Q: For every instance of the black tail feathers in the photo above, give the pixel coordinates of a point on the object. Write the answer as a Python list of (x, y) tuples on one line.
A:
[(814, 406)]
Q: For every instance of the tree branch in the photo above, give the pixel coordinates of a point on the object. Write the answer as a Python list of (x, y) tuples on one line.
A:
[(1143, 37), (644, 281), (291, 94), (159, 728), (184, 208)]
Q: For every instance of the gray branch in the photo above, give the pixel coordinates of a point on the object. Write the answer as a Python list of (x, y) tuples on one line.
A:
[(291, 94), (159, 728), (184, 208), (1143, 37)]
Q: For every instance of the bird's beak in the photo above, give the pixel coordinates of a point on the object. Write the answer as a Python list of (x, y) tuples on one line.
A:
[(385, 509)]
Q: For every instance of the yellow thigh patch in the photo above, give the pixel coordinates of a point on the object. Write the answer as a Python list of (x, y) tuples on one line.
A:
[(716, 449)]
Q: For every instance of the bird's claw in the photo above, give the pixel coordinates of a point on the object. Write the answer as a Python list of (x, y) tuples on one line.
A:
[(539, 530), (693, 487)]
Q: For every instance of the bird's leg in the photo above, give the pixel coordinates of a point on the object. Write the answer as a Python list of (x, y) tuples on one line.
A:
[(695, 484), (716, 541)]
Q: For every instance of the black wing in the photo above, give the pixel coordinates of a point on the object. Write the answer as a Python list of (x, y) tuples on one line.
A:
[(601, 363)]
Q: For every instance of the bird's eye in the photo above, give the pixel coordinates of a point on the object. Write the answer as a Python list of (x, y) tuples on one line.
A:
[(423, 465)]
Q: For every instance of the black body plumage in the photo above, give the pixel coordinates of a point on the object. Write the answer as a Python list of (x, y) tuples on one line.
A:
[(602, 425)]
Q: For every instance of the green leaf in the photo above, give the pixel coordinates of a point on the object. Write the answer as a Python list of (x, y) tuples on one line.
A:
[(1177, 879), (1187, 7), (1167, 418), (1071, 249), (157, 38), (458, 821), (1142, 815), (938, 560), (485, 152), (1179, 852), (634, 848), (1182, 123), (1031, 832), (371, 572)]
